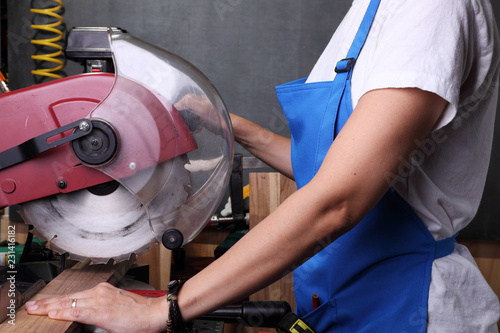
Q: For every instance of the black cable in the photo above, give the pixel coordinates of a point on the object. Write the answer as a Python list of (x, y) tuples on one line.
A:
[(3, 38), (27, 248)]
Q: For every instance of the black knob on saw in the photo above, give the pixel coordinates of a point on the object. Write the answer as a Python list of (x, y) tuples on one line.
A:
[(172, 239), (97, 147)]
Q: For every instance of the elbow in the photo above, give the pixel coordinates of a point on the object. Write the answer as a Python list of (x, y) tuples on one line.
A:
[(330, 223), (341, 216), (333, 216), (339, 206)]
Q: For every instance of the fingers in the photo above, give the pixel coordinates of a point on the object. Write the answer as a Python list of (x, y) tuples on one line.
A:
[(70, 314), (84, 315), (190, 101), (63, 309), (44, 306), (107, 307), (79, 307), (49, 305)]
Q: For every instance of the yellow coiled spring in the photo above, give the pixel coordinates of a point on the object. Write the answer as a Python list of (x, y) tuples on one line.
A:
[(49, 42)]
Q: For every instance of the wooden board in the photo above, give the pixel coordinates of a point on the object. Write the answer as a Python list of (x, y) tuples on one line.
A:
[(71, 280), (267, 192), (205, 243), (159, 260), (21, 230), (487, 256)]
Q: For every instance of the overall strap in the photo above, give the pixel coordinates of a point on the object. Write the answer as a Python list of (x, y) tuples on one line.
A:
[(341, 87), (445, 247), (346, 64)]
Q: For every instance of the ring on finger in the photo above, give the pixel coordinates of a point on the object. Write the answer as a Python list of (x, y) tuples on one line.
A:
[(73, 303)]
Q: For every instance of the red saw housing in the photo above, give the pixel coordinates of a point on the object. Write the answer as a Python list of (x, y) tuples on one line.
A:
[(33, 111)]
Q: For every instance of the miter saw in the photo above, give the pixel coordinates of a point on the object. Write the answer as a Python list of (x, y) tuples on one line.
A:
[(105, 163)]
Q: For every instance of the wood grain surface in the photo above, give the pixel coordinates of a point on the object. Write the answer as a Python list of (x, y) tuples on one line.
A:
[(78, 278), (267, 192)]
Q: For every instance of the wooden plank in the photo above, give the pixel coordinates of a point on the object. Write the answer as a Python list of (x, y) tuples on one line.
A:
[(487, 256), (486, 253), (21, 230), (205, 243), (70, 281), (159, 260), (159, 266), (267, 192)]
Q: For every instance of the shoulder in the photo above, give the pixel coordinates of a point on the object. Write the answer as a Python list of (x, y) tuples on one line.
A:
[(456, 13), (455, 32), (439, 7), (448, 47), (428, 11)]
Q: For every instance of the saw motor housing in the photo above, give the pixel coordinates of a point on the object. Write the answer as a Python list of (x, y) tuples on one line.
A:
[(105, 163)]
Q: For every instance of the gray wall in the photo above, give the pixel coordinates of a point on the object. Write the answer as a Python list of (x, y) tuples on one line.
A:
[(3, 34), (245, 48), (486, 224)]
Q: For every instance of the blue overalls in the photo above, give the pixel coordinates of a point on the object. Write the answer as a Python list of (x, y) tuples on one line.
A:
[(376, 277)]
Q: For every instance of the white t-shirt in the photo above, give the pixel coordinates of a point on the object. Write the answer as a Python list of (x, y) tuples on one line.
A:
[(451, 48)]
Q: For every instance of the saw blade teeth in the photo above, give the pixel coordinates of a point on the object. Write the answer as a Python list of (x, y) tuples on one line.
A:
[(99, 261), (121, 258), (59, 250), (114, 260), (143, 249), (38, 235), (76, 257), (113, 226), (128, 256)]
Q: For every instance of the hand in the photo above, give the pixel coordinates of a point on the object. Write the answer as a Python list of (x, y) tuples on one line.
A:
[(200, 103), (107, 307), (198, 111)]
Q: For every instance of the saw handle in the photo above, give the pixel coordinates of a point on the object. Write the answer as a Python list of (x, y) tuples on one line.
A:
[(39, 144), (253, 314), (268, 314)]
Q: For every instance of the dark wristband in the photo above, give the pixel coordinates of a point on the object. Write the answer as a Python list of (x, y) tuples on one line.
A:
[(175, 323)]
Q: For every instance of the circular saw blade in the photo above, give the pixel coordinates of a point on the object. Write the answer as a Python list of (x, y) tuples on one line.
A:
[(102, 227)]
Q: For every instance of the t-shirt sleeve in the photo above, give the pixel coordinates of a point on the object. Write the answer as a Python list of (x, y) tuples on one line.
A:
[(419, 44)]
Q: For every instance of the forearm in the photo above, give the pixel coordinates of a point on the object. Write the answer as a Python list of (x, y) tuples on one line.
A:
[(264, 255), (350, 182), (267, 146)]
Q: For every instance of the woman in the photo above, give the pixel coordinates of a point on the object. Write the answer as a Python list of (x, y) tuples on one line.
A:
[(411, 108)]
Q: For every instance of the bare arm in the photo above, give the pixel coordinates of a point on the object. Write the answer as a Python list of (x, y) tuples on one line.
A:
[(350, 182), (269, 147)]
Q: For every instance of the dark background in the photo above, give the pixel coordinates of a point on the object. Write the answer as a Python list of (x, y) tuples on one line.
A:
[(245, 48)]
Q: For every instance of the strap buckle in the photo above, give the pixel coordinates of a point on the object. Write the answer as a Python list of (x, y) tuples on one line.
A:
[(345, 65)]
